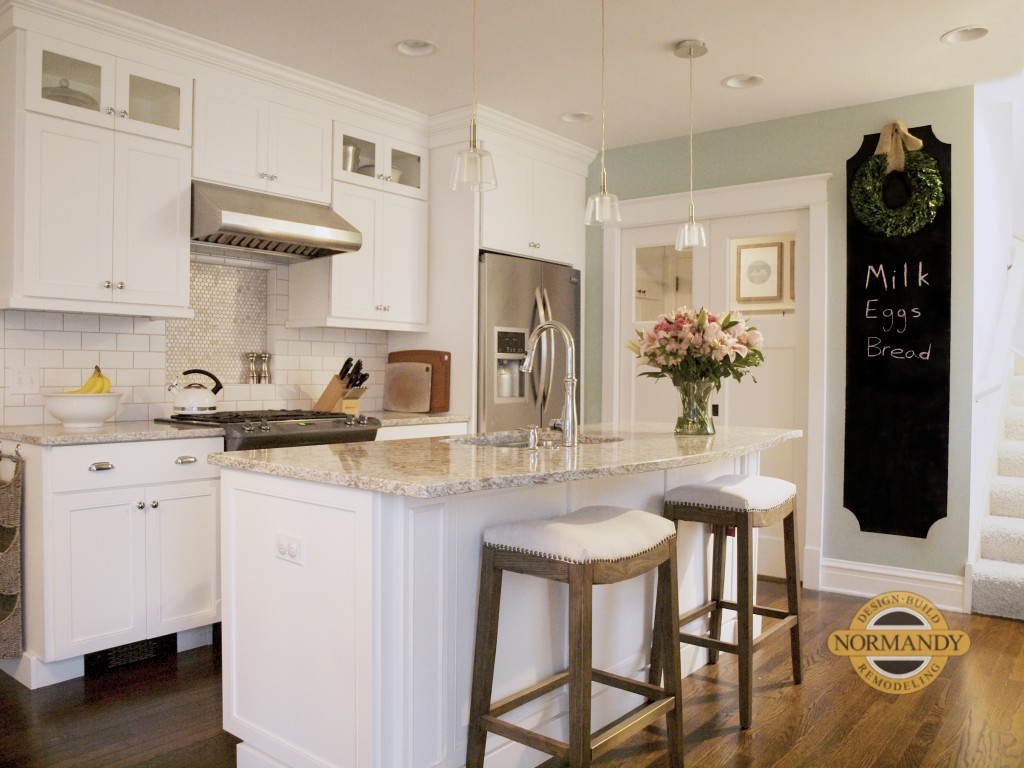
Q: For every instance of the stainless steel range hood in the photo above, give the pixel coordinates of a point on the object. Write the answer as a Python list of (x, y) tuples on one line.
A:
[(278, 228)]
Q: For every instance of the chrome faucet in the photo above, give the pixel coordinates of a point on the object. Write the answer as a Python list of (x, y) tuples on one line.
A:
[(570, 417)]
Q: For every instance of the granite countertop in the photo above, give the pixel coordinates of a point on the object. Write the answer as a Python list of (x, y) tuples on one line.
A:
[(110, 432), (402, 419), (434, 467)]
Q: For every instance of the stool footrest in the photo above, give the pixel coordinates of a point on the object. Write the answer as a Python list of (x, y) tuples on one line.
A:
[(638, 687), (767, 634), (516, 700), (635, 720), (686, 618), (532, 739), (721, 645)]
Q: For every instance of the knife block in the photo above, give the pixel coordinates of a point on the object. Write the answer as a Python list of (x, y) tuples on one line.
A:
[(337, 398)]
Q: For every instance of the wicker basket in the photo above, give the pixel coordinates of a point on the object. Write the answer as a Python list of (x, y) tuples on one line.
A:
[(10, 562)]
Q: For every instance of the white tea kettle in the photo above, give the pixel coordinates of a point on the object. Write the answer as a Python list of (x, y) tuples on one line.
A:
[(195, 397)]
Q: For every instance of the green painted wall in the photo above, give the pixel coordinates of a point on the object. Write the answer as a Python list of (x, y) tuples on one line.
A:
[(814, 144)]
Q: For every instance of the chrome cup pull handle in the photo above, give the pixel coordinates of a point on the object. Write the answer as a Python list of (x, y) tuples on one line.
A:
[(100, 466), (186, 460)]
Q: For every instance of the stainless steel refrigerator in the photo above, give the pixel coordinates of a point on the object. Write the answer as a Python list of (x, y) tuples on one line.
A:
[(515, 294)]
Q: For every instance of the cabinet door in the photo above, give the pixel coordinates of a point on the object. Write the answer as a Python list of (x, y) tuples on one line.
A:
[(406, 169), (183, 556), (559, 198), (354, 275), (69, 81), (230, 142), (505, 211), (99, 572), (69, 178), (299, 154), (152, 183), (154, 103), (403, 278)]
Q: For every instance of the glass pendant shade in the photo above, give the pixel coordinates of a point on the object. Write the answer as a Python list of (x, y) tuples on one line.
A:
[(603, 210), (473, 170), (690, 235)]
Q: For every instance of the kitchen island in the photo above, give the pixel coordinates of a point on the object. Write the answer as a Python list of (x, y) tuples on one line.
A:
[(349, 579)]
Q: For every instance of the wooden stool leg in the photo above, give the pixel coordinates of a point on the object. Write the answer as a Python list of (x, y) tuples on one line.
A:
[(667, 635), (793, 591), (745, 618), (488, 604), (719, 540), (581, 593)]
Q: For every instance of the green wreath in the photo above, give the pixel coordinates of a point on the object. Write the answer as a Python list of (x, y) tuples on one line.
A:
[(897, 215)]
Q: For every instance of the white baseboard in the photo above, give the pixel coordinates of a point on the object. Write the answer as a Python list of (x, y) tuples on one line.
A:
[(846, 577), (33, 673)]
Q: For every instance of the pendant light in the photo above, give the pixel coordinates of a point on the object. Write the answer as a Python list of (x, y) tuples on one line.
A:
[(474, 167), (602, 208), (691, 234)]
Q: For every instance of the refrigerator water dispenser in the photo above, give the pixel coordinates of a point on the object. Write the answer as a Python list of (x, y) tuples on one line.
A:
[(510, 351)]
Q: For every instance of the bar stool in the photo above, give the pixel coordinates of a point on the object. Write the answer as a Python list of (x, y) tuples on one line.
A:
[(743, 502), (594, 545)]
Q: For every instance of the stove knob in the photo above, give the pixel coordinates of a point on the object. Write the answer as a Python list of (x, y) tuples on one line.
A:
[(264, 426), (248, 427), (362, 418), (350, 421)]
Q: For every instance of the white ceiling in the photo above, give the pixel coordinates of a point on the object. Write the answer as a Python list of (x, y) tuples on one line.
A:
[(540, 58)]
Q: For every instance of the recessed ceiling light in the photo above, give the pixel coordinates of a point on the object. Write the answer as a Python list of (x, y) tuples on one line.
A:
[(576, 117), (416, 48), (743, 81), (964, 34)]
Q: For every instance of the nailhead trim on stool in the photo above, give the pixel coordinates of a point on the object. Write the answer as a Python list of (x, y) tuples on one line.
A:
[(744, 503), (594, 545)]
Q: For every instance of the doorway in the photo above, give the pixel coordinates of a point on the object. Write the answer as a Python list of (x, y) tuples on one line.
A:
[(744, 226)]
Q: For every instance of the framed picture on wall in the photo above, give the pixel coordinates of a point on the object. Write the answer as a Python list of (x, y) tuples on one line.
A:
[(764, 274)]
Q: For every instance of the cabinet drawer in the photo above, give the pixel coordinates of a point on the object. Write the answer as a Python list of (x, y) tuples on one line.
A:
[(111, 465)]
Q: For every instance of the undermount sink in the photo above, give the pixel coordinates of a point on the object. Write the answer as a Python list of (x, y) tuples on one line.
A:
[(518, 439)]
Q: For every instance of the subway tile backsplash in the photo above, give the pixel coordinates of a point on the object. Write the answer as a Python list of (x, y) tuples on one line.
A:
[(244, 305)]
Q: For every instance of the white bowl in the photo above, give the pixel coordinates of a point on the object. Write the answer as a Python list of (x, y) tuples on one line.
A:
[(80, 411)]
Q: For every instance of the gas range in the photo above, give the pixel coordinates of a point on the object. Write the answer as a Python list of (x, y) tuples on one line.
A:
[(246, 430)]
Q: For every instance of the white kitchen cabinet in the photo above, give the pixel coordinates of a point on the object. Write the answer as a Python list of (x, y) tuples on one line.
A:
[(248, 141), (121, 543), (536, 210), (380, 162), (383, 284), (133, 563), (106, 219), (78, 83)]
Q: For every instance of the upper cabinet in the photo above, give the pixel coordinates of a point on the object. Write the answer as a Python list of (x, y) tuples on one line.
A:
[(537, 208), (77, 83), (379, 162), (248, 141)]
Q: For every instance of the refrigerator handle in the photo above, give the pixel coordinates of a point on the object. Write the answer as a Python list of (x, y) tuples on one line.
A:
[(537, 378), (548, 373)]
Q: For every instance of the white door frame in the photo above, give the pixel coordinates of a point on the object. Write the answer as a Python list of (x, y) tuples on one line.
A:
[(805, 192)]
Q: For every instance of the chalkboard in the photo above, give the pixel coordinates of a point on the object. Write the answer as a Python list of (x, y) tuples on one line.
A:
[(896, 461)]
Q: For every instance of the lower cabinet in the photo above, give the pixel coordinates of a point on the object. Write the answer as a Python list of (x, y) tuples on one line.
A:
[(133, 563), (121, 543)]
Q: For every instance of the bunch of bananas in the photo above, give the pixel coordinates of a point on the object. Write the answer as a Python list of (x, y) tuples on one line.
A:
[(97, 384)]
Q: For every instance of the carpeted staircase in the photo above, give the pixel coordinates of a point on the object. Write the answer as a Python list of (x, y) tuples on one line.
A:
[(998, 577)]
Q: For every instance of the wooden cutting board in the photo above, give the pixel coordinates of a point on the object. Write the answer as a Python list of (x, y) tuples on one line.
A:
[(441, 373), (407, 387)]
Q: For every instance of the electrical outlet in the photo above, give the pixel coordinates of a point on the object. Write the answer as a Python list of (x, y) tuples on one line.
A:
[(23, 381), (290, 548)]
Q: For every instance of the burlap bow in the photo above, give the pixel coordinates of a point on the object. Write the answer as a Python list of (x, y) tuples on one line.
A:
[(893, 139)]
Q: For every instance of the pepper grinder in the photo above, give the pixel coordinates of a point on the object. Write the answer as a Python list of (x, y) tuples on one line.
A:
[(251, 357), (265, 367)]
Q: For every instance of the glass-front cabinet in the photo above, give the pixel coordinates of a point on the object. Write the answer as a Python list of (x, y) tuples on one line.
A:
[(372, 160), (78, 83)]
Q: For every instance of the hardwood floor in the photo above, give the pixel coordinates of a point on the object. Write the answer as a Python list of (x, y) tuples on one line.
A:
[(167, 713)]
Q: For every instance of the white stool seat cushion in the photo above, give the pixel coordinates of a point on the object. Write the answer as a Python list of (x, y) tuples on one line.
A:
[(587, 535), (750, 493)]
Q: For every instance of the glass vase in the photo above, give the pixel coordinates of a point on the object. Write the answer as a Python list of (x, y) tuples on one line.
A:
[(695, 408)]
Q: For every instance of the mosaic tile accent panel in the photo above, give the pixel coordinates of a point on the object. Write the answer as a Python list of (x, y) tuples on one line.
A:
[(230, 305)]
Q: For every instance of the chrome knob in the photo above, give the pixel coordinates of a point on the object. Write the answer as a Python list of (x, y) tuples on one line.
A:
[(120, 285), (110, 110), (154, 503), (273, 177), (107, 284), (264, 175), (123, 113), (264, 426), (140, 505)]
